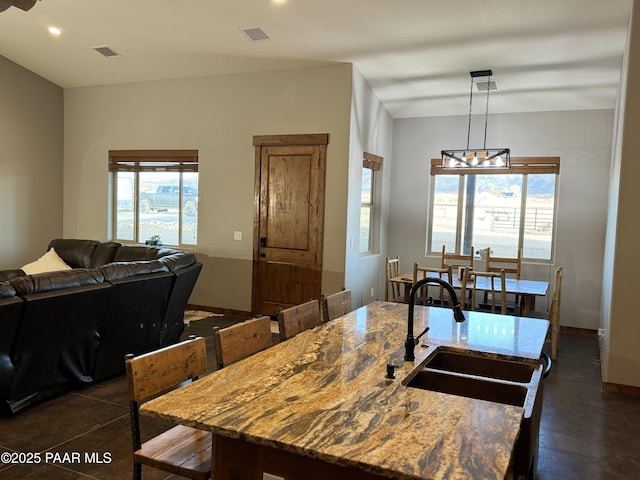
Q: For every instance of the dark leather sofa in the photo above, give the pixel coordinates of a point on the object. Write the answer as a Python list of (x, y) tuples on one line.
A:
[(68, 329)]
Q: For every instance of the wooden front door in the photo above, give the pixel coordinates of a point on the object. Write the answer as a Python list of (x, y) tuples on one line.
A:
[(288, 220)]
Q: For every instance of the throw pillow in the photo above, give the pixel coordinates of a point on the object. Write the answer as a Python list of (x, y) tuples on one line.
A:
[(49, 262)]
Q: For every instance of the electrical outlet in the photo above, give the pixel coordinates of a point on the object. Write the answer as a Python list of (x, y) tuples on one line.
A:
[(372, 291), (269, 476), (237, 235)]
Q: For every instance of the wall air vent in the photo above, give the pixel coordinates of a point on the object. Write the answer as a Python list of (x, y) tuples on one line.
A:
[(486, 85), (255, 34), (106, 51)]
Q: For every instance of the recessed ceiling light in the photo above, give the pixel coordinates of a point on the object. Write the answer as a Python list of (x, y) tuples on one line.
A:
[(55, 31)]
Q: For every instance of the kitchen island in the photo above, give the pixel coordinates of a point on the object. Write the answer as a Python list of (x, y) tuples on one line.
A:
[(319, 405)]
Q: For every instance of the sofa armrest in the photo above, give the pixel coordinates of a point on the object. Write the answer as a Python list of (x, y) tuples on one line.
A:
[(6, 275), (177, 260), (7, 290)]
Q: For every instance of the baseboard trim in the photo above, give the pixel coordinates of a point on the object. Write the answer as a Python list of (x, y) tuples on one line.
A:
[(579, 331), (224, 311), (618, 388)]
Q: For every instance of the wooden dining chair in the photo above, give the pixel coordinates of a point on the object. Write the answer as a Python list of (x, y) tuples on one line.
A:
[(423, 272), (336, 305), (470, 281), (297, 319), (241, 340), (455, 261), (554, 313), (181, 450), (511, 266), (392, 291)]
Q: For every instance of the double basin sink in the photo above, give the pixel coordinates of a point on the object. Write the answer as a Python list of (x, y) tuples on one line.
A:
[(475, 375)]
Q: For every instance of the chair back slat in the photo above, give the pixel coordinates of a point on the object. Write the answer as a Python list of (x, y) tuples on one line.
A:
[(470, 280), (511, 266), (242, 340), (163, 369), (456, 260), (297, 319), (336, 305)]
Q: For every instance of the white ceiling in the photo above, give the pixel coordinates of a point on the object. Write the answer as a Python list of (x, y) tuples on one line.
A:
[(416, 54)]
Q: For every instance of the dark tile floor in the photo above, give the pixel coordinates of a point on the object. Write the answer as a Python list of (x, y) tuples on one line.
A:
[(585, 433)]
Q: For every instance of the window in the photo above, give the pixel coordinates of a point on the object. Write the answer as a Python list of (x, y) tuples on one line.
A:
[(155, 193), (368, 214), (502, 209)]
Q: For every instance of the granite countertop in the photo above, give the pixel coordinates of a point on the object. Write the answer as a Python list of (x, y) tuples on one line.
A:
[(323, 393)]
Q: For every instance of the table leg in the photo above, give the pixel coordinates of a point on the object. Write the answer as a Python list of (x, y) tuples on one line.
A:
[(407, 291), (526, 304)]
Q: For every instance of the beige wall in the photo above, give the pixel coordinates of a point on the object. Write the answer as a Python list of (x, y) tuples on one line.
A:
[(371, 131), (219, 117), (31, 122), (620, 325)]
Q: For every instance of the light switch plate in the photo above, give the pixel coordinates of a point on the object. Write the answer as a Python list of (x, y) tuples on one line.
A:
[(237, 235)]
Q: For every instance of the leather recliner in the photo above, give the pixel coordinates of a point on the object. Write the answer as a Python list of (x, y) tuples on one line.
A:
[(10, 312), (59, 333), (133, 318)]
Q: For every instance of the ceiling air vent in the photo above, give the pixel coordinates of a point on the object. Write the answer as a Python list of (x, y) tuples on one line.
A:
[(255, 34), (486, 85), (107, 52)]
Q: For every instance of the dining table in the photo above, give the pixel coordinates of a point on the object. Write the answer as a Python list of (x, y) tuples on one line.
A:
[(323, 405), (527, 290)]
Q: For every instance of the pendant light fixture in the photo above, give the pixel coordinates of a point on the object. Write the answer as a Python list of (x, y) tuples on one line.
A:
[(479, 158)]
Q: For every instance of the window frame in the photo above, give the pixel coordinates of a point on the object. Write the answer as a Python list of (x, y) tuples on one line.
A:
[(373, 163), (524, 166), (143, 161)]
